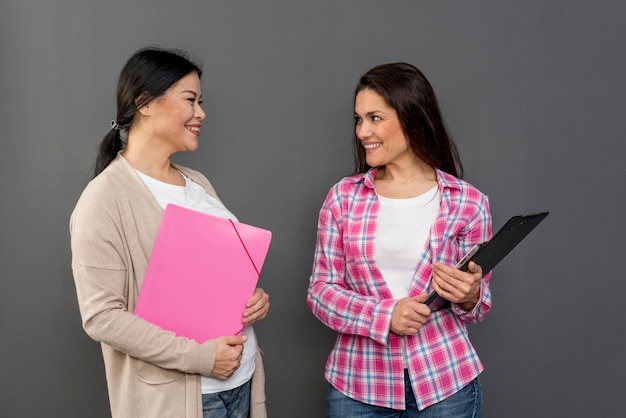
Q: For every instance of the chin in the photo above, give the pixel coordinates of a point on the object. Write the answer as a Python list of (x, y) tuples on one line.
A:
[(373, 163), (192, 147)]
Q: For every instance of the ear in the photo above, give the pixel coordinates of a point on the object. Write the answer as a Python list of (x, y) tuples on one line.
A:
[(143, 104)]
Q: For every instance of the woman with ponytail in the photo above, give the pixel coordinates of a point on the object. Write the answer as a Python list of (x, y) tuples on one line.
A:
[(152, 372)]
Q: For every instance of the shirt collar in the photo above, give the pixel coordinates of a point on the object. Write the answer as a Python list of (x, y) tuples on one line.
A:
[(444, 179), (447, 180)]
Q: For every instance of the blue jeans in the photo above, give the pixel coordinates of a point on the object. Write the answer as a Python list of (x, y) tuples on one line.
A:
[(234, 403), (466, 403)]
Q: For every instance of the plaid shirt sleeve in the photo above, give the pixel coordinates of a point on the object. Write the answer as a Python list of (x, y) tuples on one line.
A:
[(329, 297), (478, 230)]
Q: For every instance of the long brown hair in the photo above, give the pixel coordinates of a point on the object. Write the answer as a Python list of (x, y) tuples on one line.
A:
[(407, 90)]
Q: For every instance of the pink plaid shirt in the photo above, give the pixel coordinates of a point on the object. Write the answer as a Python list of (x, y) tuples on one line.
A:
[(348, 293)]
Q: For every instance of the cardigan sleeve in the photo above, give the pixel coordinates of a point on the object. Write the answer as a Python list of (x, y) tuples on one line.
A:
[(107, 258)]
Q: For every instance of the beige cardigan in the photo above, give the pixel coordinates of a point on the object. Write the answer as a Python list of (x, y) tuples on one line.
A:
[(150, 372)]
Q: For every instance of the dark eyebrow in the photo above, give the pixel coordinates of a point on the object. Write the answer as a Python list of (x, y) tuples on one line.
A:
[(371, 113)]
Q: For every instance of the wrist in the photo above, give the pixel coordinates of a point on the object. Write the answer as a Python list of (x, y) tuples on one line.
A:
[(471, 303)]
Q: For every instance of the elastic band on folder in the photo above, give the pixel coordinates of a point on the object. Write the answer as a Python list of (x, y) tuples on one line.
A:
[(244, 247)]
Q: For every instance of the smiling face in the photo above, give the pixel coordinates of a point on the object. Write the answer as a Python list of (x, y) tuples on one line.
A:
[(379, 130), (175, 117)]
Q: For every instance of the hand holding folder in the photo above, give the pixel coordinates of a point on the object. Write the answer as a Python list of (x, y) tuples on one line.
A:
[(202, 270)]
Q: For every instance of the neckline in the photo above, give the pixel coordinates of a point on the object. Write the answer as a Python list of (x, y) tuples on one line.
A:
[(421, 199), (160, 183)]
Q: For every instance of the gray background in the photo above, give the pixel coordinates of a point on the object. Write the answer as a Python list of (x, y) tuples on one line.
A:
[(533, 91)]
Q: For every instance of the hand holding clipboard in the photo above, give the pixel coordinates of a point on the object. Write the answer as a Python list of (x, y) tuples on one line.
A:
[(489, 253)]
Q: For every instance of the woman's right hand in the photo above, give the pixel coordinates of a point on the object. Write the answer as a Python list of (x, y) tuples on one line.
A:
[(228, 355), (409, 315)]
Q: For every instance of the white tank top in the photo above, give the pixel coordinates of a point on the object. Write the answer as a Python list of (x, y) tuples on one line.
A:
[(401, 235)]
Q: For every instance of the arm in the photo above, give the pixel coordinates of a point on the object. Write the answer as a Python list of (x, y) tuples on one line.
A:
[(468, 291), (107, 320), (330, 296), (107, 266)]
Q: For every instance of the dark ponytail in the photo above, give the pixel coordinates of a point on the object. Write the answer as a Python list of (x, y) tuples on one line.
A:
[(148, 74), (107, 150)]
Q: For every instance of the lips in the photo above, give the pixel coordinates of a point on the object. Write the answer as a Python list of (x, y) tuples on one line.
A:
[(371, 147), (194, 129)]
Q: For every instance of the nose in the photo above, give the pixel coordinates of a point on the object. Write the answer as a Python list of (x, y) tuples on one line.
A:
[(200, 112), (363, 130)]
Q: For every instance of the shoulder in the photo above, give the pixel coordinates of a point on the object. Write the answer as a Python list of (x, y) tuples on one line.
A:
[(350, 184), (465, 204), (117, 179), (343, 191), (351, 194), (463, 199), (460, 190), (103, 195)]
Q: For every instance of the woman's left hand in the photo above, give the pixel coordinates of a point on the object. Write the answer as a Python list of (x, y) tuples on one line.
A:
[(460, 287), (256, 307)]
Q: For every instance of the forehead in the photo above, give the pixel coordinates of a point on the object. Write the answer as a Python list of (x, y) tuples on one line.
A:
[(367, 100), (190, 82)]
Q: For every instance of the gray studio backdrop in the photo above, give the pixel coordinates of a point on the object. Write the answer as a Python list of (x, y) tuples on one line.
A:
[(533, 91)]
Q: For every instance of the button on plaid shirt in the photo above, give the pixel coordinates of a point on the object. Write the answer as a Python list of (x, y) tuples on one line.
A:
[(348, 293)]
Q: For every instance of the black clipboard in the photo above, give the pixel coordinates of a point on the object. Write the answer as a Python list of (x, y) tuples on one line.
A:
[(489, 253)]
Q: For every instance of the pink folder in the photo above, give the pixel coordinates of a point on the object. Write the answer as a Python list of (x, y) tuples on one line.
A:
[(202, 270)]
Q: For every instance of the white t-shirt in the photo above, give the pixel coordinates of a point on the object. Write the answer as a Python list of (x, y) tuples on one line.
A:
[(403, 228), (193, 196)]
